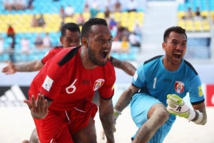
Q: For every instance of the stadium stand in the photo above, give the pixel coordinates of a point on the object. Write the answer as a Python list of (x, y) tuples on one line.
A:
[(199, 27), (21, 22)]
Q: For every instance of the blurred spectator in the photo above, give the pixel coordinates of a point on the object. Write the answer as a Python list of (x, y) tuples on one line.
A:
[(112, 23), (121, 31), (137, 29), (11, 34), (132, 6), (116, 46), (46, 42), (25, 46), (109, 4), (30, 4), (38, 41), (69, 11), (20, 4), (198, 12), (86, 8), (10, 31), (8, 4), (41, 21), (134, 40), (125, 44), (34, 22), (189, 14), (62, 23), (94, 9), (107, 13), (62, 12), (117, 6), (1, 45), (80, 19)]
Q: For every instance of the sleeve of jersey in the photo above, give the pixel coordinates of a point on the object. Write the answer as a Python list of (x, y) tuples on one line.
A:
[(195, 90), (53, 82), (47, 56), (139, 77), (107, 90)]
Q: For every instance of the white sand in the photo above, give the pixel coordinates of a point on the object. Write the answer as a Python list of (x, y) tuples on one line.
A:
[(16, 125)]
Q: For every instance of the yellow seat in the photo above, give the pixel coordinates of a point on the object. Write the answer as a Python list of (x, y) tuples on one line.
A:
[(181, 14), (204, 13), (101, 15), (86, 15)]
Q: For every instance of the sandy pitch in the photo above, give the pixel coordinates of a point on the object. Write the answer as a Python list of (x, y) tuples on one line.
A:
[(16, 125)]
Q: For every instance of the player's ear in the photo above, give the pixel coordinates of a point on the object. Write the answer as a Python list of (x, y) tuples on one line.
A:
[(84, 41), (61, 40), (164, 46)]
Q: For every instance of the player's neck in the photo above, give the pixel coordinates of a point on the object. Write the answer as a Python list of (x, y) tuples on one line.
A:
[(86, 62), (169, 65)]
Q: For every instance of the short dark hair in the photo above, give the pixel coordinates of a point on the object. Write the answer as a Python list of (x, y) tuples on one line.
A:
[(86, 28), (73, 27), (176, 29)]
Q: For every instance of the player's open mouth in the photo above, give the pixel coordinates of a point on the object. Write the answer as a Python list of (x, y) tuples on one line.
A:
[(177, 56), (104, 54)]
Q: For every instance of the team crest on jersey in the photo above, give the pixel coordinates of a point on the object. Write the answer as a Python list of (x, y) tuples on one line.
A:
[(98, 83), (179, 86)]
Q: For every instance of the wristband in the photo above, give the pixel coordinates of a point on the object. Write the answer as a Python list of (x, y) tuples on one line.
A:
[(192, 114), (199, 117), (116, 112)]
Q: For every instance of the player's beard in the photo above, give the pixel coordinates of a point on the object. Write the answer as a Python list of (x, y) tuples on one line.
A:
[(93, 58)]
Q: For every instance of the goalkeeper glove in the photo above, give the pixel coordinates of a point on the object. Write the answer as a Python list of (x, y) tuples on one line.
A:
[(116, 115), (178, 107)]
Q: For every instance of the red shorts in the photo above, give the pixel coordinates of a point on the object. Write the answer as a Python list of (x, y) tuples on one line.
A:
[(58, 126)]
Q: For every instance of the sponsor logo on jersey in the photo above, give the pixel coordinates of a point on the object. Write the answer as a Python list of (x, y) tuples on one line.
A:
[(200, 92), (98, 83), (179, 86), (47, 83)]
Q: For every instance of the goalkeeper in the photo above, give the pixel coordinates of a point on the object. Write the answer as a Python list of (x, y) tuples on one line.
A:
[(158, 86)]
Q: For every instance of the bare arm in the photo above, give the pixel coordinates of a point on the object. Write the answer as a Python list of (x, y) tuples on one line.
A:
[(106, 117), (125, 98), (125, 66), (202, 109), (22, 67)]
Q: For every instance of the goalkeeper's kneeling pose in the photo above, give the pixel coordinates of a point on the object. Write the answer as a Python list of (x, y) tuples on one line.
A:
[(158, 88)]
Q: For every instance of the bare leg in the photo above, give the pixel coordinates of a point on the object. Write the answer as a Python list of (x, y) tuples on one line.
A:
[(157, 116), (86, 135), (33, 138)]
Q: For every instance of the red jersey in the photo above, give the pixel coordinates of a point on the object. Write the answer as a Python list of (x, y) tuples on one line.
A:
[(65, 81), (51, 54)]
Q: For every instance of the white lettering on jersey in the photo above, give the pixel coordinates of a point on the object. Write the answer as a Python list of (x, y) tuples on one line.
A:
[(71, 88), (47, 83), (154, 84)]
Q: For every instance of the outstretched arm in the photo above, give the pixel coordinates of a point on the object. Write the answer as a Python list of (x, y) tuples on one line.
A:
[(125, 66), (22, 67), (125, 98), (106, 117)]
